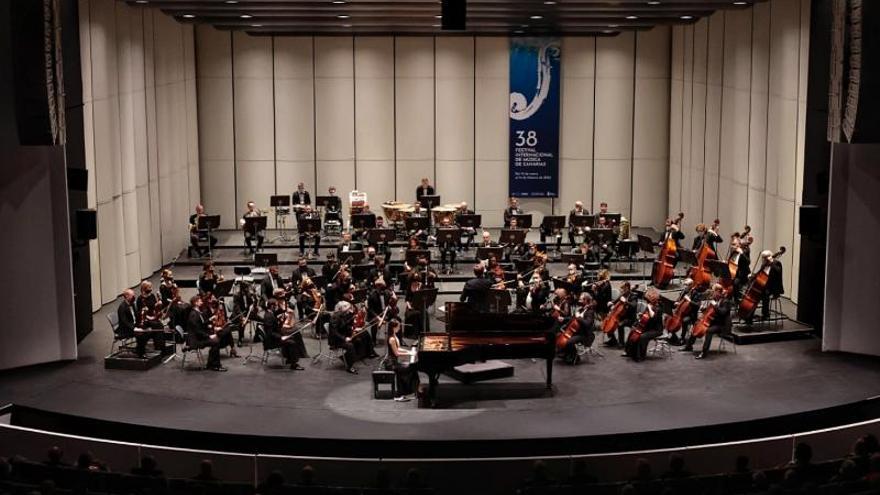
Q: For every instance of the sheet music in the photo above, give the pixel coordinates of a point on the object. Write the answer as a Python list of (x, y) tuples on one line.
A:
[(413, 355)]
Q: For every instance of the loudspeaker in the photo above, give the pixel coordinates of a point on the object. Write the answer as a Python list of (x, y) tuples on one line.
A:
[(29, 73), (454, 14), (86, 224), (811, 221)]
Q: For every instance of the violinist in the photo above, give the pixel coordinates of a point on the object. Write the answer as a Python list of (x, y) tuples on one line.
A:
[(648, 327), (244, 304), (720, 323), (199, 336), (511, 210), (573, 231), (347, 245), (148, 307), (273, 321), (310, 299), (476, 290), (301, 272), (692, 294), (574, 280), (773, 268), (339, 288), (219, 324), (381, 306), (330, 267), (196, 235), (342, 334), (379, 270), (558, 306), (249, 234), (271, 283), (292, 346), (208, 280), (128, 327), (308, 214), (166, 286), (533, 295), (467, 233), (629, 298), (585, 318)]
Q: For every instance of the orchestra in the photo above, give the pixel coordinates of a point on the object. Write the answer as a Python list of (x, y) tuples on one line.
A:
[(360, 296)]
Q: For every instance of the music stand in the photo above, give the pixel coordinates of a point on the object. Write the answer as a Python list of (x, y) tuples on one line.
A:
[(224, 288), (523, 220), (484, 253), (577, 259), (379, 235), (646, 245), (429, 201), (449, 235), (424, 298), (582, 221), (266, 259), (598, 236), (255, 225), (667, 305), (498, 300), (281, 203), (522, 266), (512, 236), (416, 223), (358, 296), (324, 201), (470, 221), (413, 256), (687, 256), (361, 271), (308, 226), (611, 218), (719, 268), (351, 257), (362, 221), (209, 223)]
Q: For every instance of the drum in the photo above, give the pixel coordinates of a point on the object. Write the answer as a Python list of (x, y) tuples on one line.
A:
[(392, 212), (454, 206), (442, 212)]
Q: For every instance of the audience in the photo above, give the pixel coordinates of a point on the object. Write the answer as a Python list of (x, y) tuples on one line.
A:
[(206, 471), (148, 467)]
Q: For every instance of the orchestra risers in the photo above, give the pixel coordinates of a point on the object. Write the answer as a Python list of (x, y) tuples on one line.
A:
[(127, 360), (774, 330), (481, 372)]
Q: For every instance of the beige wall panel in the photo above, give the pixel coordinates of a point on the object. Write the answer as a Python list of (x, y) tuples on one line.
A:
[(293, 57), (614, 56), (735, 134), (85, 49), (192, 139), (252, 56), (687, 99), (455, 119), (715, 49), (374, 103), (140, 142), (374, 57), (537, 207), (334, 120), (144, 231), (784, 222), (578, 57), (676, 54), (710, 192), (712, 131), (214, 48), (102, 36), (414, 57), (781, 142), (493, 57), (575, 183), (738, 49), (108, 180), (290, 173), (218, 190), (89, 148), (455, 181), (455, 58), (415, 118), (698, 129), (653, 53), (613, 135), (784, 45), (376, 177), (491, 198), (755, 218), (409, 173), (650, 199), (576, 118), (254, 127), (613, 185), (340, 174), (294, 120), (676, 87), (760, 48), (168, 54), (695, 196), (731, 204), (108, 249), (130, 228), (255, 182), (334, 57), (492, 118), (701, 40), (758, 140), (126, 164)]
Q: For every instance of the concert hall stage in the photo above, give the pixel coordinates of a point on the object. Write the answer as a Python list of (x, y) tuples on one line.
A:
[(604, 404)]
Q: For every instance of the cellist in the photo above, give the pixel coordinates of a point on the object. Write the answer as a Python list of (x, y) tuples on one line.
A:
[(647, 327), (629, 298), (720, 323), (691, 295), (584, 319)]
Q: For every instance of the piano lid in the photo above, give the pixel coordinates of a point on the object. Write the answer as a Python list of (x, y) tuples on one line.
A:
[(461, 318)]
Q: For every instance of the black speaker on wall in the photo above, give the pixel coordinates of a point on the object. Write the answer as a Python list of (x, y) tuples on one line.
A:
[(86, 224), (454, 14), (811, 222), (29, 67)]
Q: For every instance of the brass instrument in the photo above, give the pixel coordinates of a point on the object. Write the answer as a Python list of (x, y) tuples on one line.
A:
[(624, 228), (441, 213)]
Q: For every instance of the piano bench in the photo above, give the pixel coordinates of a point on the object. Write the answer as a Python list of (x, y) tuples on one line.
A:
[(381, 377)]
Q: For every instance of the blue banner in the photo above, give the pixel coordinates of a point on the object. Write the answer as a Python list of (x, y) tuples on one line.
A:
[(534, 117)]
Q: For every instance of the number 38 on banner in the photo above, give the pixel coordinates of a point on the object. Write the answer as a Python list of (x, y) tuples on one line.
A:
[(524, 138)]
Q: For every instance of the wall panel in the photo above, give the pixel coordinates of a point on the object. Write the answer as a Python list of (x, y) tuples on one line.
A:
[(491, 100), (374, 117), (454, 101), (334, 114), (576, 123)]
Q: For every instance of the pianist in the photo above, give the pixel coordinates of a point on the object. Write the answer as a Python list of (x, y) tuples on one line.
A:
[(398, 360)]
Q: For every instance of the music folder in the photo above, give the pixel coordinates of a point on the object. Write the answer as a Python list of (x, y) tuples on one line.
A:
[(416, 223), (483, 252), (377, 235), (552, 222), (266, 259), (470, 221), (448, 235), (308, 225), (413, 255), (512, 236), (279, 201), (208, 222), (582, 221), (523, 220), (363, 221), (573, 258)]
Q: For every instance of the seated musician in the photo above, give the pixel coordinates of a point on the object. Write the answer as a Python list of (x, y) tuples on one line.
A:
[(720, 324), (398, 360), (149, 309), (512, 250), (707, 233), (342, 336), (574, 280), (381, 306), (574, 231), (382, 245), (347, 245), (774, 287), (650, 322), (166, 286), (603, 209), (418, 212), (467, 233), (476, 290), (740, 258), (244, 304), (379, 270), (271, 283), (746, 240), (330, 267), (126, 315), (630, 299), (486, 240), (309, 299), (421, 277), (199, 335), (558, 306), (532, 295), (250, 234), (333, 206), (208, 280), (602, 251), (545, 231), (585, 315), (600, 290), (511, 210), (339, 288), (360, 234), (425, 189), (308, 214), (178, 310), (196, 235), (414, 244), (218, 324), (300, 196), (301, 272), (277, 324), (447, 249), (692, 295)]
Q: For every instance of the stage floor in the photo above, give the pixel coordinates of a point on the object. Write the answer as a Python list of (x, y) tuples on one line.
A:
[(602, 396)]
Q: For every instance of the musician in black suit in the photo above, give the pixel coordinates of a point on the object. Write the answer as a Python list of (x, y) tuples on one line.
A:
[(379, 270), (692, 295), (709, 235), (125, 314), (196, 235), (301, 272), (424, 189), (292, 346), (308, 214), (637, 347), (341, 328), (300, 196), (347, 245), (743, 266), (720, 323), (476, 290), (601, 291), (199, 336), (511, 210), (630, 298), (585, 315), (447, 249), (573, 231), (774, 287), (249, 234), (271, 283), (467, 233), (381, 306), (671, 230)]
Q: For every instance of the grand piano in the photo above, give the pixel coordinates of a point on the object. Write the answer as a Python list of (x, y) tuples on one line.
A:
[(472, 337)]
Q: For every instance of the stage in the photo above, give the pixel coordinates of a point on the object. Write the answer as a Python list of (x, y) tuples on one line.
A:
[(604, 404)]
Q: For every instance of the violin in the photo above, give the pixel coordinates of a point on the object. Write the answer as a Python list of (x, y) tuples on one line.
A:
[(755, 290), (664, 266)]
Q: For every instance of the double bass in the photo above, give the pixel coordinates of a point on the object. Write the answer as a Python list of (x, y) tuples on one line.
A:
[(664, 266), (755, 290), (699, 273)]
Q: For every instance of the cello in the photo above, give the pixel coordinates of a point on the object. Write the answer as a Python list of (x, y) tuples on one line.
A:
[(664, 266), (755, 290), (612, 321), (699, 273), (676, 320)]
